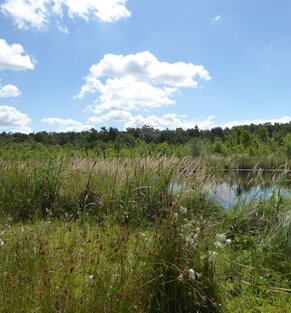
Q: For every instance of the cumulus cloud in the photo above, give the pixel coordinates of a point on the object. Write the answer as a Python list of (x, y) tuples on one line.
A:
[(9, 91), (13, 120), (281, 120), (170, 120), (12, 57), (38, 14), (173, 121), (138, 81), (66, 125)]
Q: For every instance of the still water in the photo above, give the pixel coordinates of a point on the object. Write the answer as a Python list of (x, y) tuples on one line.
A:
[(229, 196), (235, 187)]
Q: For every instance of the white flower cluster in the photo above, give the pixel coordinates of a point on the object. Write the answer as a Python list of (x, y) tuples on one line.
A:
[(192, 275), (211, 256), (190, 232), (144, 238), (183, 210), (221, 241)]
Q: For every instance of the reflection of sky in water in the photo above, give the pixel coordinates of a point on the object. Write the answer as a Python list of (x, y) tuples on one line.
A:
[(228, 196)]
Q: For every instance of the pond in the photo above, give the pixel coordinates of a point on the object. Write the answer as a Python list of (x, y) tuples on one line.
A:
[(230, 188), (240, 186)]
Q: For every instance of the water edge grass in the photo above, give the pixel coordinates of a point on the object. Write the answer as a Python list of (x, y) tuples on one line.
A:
[(111, 236)]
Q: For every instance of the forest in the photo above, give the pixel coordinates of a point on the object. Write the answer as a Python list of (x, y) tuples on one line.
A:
[(251, 141)]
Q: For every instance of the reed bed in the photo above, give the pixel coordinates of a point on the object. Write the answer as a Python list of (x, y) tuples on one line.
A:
[(138, 235)]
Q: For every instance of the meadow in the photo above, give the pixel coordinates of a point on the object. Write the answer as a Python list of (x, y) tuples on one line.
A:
[(113, 235)]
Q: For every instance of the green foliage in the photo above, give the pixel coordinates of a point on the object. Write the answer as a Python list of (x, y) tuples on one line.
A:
[(137, 234), (258, 141)]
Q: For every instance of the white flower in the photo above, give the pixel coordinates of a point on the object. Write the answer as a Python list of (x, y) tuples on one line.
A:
[(191, 274), (218, 244), (190, 241), (183, 210), (211, 256), (180, 277), (1, 242), (221, 237), (175, 216), (91, 277), (228, 241), (198, 275)]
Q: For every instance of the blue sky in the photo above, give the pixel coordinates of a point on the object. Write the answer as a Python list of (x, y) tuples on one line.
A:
[(73, 65)]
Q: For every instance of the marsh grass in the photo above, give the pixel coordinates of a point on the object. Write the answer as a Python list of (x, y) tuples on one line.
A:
[(112, 235)]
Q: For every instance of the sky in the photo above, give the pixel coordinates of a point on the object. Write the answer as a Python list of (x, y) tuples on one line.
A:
[(70, 65)]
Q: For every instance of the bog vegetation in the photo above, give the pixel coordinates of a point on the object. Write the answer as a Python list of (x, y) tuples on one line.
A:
[(267, 145), (93, 223)]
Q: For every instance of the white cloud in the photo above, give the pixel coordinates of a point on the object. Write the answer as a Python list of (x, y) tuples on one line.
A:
[(13, 120), (12, 57), (144, 66), (66, 125), (283, 119), (128, 94), (37, 14), (217, 19), (170, 120), (9, 91), (138, 81), (173, 121)]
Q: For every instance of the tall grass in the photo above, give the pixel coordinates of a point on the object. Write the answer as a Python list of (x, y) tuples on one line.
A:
[(136, 235)]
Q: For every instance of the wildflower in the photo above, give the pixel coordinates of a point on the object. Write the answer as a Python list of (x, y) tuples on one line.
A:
[(228, 241), (91, 277), (183, 210), (221, 237), (211, 256), (180, 277), (175, 216), (198, 275), (218, 244), (190, 241), (191, 274), (1, 242)]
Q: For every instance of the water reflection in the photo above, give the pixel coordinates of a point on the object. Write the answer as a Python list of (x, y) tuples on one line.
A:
[(231, 188), (229, 196), (235, 187)]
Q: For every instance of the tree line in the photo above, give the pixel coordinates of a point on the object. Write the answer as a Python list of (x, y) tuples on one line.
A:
[(252, 139)]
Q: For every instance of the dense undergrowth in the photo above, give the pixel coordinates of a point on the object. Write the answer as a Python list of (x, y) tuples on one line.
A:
[(117, 235)]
